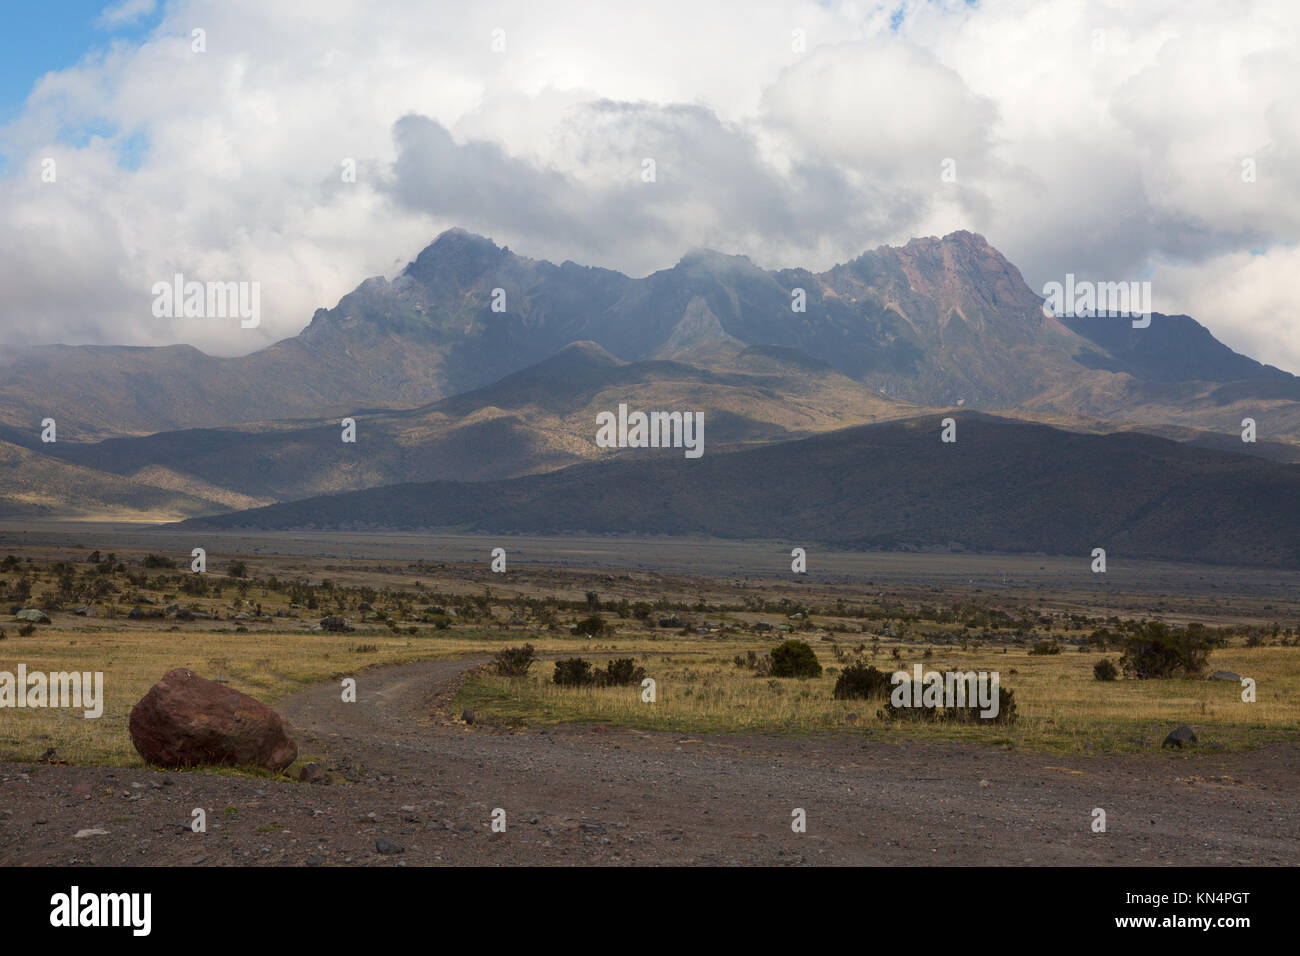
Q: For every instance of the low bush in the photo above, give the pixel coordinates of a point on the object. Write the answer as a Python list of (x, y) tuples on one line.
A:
[(619, 673), (860, 681), (1105, 669), (1158, 650), (573, 672), (592, 626), (969, 713), (515, 661), (795, 659)]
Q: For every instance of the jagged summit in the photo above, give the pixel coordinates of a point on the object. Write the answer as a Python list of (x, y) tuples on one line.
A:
[(934, 321), (456, 253)]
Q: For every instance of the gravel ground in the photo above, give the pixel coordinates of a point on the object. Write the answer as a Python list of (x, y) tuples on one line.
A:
[(412, 787)]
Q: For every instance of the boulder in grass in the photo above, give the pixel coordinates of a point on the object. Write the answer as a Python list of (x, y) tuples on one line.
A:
[(32, 615), (335, 622), (1226, 675), (1179, 737), (187, 721)]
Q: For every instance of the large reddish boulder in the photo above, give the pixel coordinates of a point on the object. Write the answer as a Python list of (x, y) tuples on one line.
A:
[(186, 721)]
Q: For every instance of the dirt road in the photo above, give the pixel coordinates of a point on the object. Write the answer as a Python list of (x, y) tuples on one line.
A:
[(424, 789)]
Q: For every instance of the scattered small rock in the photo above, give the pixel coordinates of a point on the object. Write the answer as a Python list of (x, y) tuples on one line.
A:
[(1178, 737), (312, 773)]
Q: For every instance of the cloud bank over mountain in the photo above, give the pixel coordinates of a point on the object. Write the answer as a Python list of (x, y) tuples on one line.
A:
[(1085, 138)]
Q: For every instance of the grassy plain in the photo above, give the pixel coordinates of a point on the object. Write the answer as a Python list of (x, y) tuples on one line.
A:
[(986, 614)]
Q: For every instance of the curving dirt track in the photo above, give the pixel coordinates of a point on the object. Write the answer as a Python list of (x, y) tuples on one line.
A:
[(584, 795)]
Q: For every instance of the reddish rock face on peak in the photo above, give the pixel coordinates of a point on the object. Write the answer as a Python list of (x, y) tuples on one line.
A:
[(188, 721)]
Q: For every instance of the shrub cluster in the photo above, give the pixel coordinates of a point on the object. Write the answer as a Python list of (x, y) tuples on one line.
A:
[(573, 672), (592, 626), (1159, 650), (860, 681), (969, 713), (578, 672), (795, 659), (1105, 669), (619, 673), (514, 661)]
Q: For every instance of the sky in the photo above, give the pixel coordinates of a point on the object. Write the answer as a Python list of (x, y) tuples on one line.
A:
[(213, 138), (43, 37)]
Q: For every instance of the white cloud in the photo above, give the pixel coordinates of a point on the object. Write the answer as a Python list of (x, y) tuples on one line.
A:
[(124, 12), (1241, 284), (1102, 140)]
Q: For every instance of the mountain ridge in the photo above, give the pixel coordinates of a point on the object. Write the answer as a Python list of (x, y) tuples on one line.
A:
[(935, 322), (1002, 487)]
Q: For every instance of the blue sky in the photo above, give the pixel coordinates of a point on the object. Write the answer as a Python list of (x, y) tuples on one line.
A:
[(40, 37)]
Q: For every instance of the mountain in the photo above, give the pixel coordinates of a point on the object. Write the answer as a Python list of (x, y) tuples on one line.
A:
[(1003, 486), (538, 419), (1174, 348), (936, 322), (33, 485)]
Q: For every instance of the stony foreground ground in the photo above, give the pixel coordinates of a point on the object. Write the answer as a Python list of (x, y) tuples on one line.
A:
[(411, 787)]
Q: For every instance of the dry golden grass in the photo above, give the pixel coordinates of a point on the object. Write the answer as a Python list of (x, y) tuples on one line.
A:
[(267, 665), (1060, 707), (699, 689)]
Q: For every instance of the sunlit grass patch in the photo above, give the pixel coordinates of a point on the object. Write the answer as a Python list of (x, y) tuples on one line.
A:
[(1060, 706)]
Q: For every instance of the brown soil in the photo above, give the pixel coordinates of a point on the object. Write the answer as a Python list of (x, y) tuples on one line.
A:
[(403, 771)]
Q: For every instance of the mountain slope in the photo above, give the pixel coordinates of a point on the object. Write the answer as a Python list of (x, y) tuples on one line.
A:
[(1003, 487), (936, 322), (538, 419), (36, 485)]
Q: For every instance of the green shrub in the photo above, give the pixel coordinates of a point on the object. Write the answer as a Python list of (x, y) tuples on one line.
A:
[(1045, 647), (1160, 651), (619, 673), (593, 626), (795, 659), (158, 561), (573, 672), (1105, 669), (968, 714), (515, 661), (924, 714), (861, 681)]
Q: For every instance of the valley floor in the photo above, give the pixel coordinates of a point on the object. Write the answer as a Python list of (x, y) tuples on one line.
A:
[(404, 771)]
